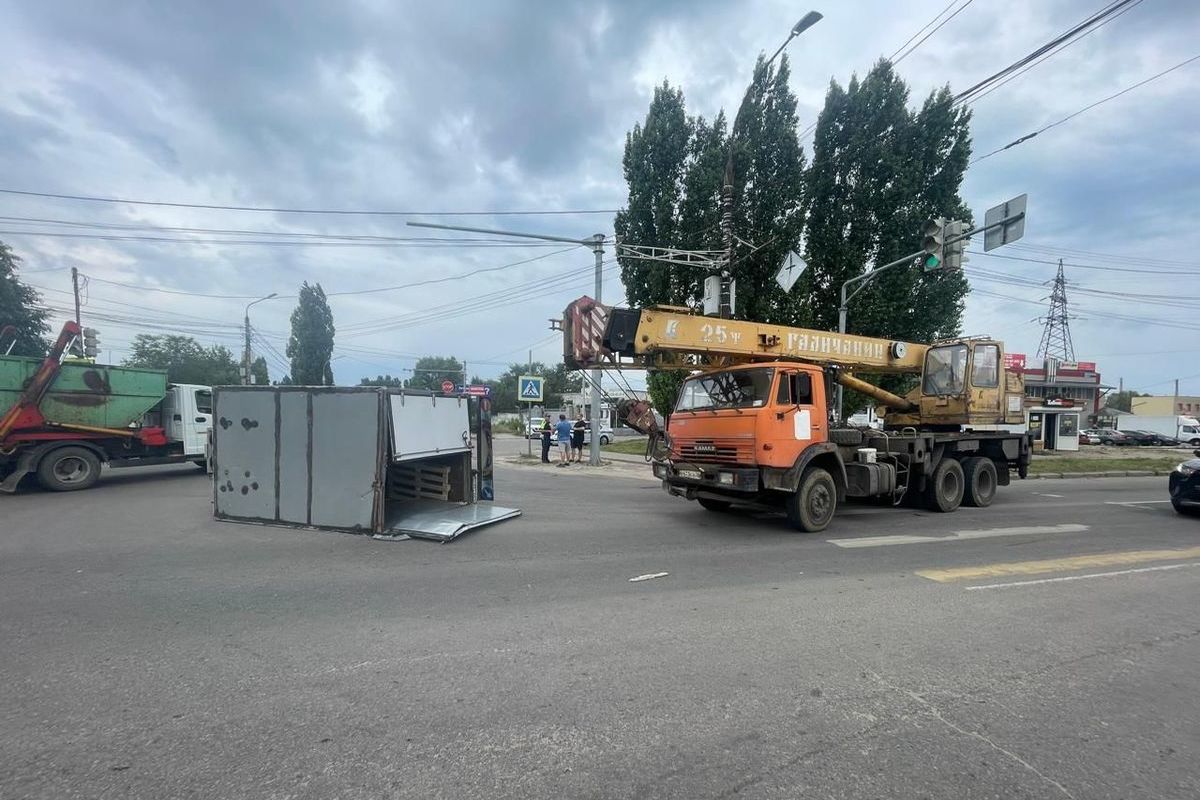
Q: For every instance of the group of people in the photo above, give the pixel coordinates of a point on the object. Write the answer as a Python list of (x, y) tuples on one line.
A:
[(569, 438)]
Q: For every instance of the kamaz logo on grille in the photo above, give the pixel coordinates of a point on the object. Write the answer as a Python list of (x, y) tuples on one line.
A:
[(704, 448)]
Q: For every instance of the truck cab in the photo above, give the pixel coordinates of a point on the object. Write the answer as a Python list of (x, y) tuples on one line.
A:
[(187, 416)]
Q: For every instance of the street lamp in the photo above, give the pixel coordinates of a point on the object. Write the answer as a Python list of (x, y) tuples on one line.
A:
[(246, 355), (806, 22)]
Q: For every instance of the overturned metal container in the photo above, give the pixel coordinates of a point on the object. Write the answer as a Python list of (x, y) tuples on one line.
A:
[(384, 462)]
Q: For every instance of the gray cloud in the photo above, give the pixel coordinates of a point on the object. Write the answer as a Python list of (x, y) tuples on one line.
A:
[(524, 105)]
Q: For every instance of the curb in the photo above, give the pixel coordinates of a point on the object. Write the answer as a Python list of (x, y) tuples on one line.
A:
[(1132, 473)]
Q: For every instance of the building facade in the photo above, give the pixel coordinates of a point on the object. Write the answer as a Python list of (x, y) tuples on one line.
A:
[(1061, 397), (1165, 406)]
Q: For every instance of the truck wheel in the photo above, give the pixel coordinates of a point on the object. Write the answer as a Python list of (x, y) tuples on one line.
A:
[(945, 490), (979, 486), (713, 505), (810, 508), (68, 469)]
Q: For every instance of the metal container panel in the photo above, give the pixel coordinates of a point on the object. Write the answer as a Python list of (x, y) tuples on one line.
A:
[(424, 425), (245, 433), (83, 393), (293, 457), (346, 458)]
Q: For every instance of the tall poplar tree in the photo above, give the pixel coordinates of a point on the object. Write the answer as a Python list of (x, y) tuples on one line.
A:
[(310, 346)]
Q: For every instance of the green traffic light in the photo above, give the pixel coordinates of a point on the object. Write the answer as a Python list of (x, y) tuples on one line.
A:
[(932, 262)]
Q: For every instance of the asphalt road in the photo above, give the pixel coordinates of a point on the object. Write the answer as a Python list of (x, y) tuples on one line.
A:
[(1046, 647)]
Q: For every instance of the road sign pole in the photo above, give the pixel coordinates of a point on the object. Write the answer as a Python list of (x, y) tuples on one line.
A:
[(528, 414), (594, 411)]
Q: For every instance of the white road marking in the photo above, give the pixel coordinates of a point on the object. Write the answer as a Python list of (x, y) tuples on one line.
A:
[(1066, 578), (649, 576), (1047, 494), (1133, 502), (959, 536)]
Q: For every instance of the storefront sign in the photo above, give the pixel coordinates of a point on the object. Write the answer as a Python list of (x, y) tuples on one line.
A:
[(1014, 361)]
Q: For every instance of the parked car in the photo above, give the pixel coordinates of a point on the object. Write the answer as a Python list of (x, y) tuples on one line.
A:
[(1156, 439), (1085, 437), (1140, 438), (606, 433), (1107, 436), (1184, 485), (533, 428)]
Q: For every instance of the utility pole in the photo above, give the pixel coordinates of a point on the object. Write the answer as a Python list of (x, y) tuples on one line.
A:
[(596, 244), (1056, 336), (75, 290), (528, 411), (247, 357)]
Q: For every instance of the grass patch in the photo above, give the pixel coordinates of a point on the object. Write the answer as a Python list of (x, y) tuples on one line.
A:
[(634, 447), (1042, 465)]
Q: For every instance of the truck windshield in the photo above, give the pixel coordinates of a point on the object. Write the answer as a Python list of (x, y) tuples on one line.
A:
[(742, 388), (945, 369)]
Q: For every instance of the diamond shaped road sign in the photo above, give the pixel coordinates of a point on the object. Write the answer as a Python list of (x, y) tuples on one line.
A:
[(790, 272), (529, 389)]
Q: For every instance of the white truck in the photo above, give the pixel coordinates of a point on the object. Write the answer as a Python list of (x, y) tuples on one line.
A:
[(1185, 429)]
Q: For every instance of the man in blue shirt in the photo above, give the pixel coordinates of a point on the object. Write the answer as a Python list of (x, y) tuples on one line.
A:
[(562, 432)]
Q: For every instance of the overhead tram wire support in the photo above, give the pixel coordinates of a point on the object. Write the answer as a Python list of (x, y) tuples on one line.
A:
[(596, 244)]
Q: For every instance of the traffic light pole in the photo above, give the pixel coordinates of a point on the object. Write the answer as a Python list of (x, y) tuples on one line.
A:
[(866, 277)]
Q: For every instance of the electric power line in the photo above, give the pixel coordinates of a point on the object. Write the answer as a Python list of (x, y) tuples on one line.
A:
[(1071, 33), (909, 51), (1190, 273), (1127, 89), (1054, 52), (330, 211)]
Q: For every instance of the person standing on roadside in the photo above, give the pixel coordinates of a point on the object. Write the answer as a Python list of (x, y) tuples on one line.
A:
[(547, 433), (563, 431), (577, 435)]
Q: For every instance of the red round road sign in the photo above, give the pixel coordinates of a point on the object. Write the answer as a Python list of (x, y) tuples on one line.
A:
[(447, 387)]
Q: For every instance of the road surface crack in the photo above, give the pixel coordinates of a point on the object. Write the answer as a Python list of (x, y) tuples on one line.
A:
[(936, 713)]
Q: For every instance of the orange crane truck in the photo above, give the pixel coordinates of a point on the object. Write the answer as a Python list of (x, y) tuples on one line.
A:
[(755, 425)]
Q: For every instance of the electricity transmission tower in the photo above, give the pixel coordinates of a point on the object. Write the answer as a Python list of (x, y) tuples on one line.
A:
[(1056, 336)]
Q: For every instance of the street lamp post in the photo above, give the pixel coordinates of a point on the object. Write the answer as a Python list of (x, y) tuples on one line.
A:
[(246, 355), (806, 22)]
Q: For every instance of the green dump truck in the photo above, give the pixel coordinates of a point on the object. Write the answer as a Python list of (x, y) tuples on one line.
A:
[(61, 418)]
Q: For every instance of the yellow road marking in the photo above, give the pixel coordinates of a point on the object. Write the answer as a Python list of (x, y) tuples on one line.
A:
[(1056, 564)]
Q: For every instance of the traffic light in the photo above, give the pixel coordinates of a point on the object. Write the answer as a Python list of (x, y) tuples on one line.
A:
[(954, 249), (91, 342), (934, 235)]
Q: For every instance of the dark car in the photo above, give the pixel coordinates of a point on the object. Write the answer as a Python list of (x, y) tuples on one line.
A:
[(1184, 484), (1140, 438), (1159, 439)]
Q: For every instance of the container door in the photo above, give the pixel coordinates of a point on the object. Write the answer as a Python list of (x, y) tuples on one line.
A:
[(198, 408)]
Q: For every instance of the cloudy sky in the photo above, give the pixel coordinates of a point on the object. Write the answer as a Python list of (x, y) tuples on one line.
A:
[(523, 106)]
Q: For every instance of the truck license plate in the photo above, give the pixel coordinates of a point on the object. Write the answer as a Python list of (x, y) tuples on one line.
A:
[(691, 474)]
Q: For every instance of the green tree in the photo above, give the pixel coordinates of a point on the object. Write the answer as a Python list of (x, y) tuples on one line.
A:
[(430, 371), (382, 380), (1122, 401), (879, 171), (184, 359), (310, 346), (260, 372), (20, 308)]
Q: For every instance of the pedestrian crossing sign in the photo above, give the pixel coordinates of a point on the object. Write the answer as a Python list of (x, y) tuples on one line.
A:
[(529, 389)]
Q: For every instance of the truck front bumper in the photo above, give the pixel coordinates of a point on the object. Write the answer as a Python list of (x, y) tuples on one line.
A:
[(693, 480)]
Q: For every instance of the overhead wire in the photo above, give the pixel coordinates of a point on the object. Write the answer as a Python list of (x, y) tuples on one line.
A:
[(1054, 52), (418, 243), (1071, 33), (329, 211), (896, 60), (1043, 129), (923, 29)]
